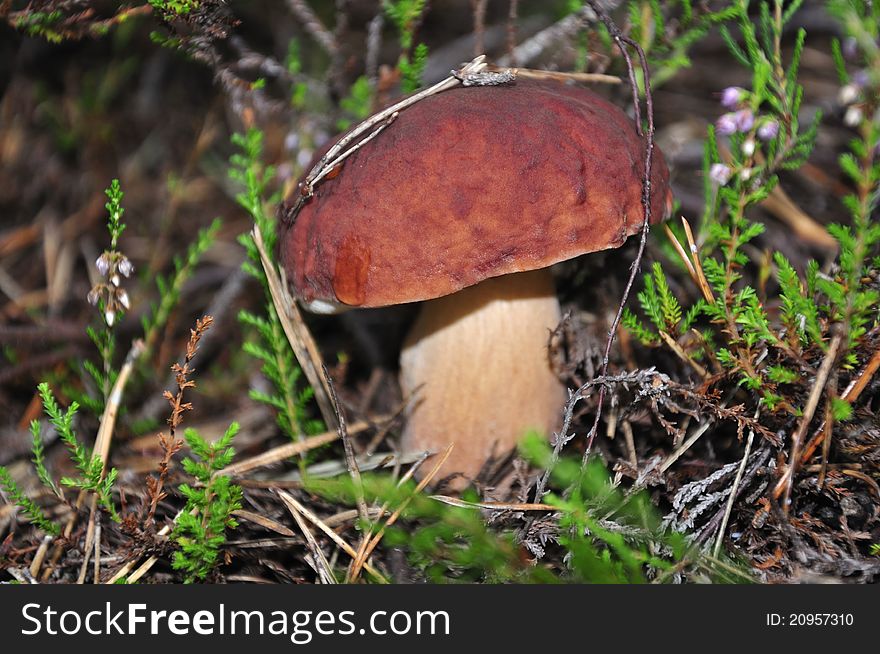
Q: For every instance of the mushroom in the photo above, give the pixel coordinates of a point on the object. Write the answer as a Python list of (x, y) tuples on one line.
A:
[(464, 203)]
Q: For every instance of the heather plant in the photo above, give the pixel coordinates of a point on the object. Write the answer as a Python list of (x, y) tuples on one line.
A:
[(110, 297), (200, 529), (786, 344), (764, 135), (92, 477), (289, 397), (112, 301)]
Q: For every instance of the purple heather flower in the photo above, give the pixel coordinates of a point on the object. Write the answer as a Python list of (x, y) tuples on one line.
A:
[(768, 130), (744, 119), (94, 296), (125, 266), (726, 124), (850, 47), (720, 173), (860, 78), (103, 264), (731, 96)]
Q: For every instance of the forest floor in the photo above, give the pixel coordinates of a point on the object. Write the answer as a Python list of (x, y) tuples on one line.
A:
[(77, 114)]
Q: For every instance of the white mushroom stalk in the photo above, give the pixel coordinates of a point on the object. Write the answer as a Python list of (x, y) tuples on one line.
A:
[(477, 363)]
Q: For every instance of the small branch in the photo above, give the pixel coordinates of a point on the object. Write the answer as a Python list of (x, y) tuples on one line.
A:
[(350, 461), (850, 394), (40, 556), (494, 506), (588, 78), (681, 354), (684, 447), (622, 43), (734, 491), (288, 450), (313, 25), (787, 479), (702, 282), (322, 566)]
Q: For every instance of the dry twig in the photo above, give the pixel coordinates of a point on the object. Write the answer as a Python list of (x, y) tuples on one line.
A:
[(783, 487)]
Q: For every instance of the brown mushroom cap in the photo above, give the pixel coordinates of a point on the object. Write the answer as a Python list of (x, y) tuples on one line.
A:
[(469, 184)]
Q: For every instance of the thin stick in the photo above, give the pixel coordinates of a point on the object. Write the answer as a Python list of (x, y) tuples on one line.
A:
[(292, 503), (623, 41), (828, 427), (102, 442), (531, 48), (374, 46), (494, 506), (288, 450), (263, 521), (682, 254), (512, 15), (630, 444), (702, 282), (97, 577), (90, 535), (734, 491), (681, 354), (695, 268), (684, 447), (479, 9), (325, 572), (785, 482), (350, 461), (562, 76)]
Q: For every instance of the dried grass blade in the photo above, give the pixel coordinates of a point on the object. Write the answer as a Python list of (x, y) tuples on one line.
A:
[(294, 505), (297, 333), (365, 554)]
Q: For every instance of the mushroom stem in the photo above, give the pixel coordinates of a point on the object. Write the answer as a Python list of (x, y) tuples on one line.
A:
[(478, 363)]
